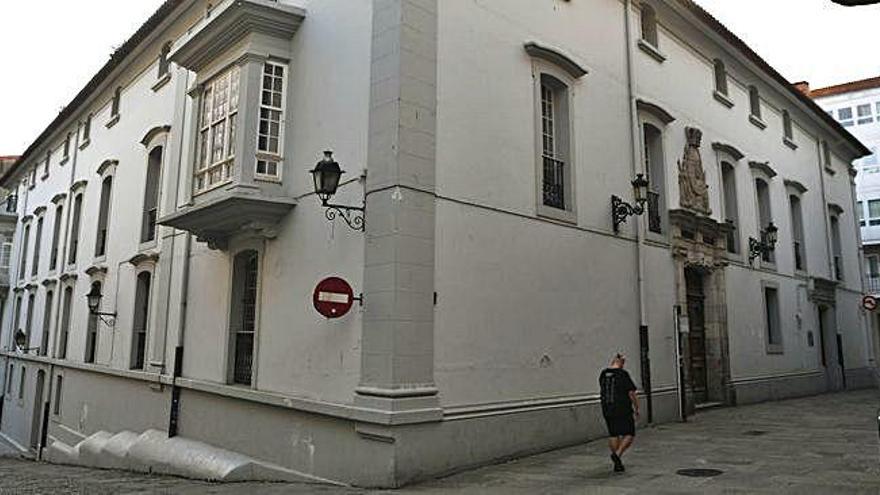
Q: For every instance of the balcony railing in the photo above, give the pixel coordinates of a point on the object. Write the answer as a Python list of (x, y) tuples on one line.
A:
[(655, 220), (554, 183), (872, 283)]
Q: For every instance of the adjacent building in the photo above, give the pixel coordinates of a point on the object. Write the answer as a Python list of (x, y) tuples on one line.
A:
[(856, 105), (544, 184)]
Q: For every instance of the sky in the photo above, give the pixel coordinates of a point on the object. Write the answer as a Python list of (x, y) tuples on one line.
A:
[(813, 40)]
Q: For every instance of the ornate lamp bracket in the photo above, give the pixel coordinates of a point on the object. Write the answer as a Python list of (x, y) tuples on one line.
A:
[(620, 210), (352, 215)]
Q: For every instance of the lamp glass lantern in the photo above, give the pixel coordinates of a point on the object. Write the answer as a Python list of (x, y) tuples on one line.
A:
[(94, 298), (640, 188), (20, 339), (326, 175)]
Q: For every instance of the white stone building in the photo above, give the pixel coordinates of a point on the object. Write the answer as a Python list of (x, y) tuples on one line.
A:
[(486, 140)]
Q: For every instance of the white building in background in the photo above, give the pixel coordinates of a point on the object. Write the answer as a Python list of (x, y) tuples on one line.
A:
[(856, 105), (486, 140)]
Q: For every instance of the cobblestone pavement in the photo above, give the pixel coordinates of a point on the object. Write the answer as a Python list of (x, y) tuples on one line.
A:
[(819, 445)]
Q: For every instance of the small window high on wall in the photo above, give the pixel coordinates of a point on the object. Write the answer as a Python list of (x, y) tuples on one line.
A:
[(754, 102), (649, 25), (720, 77)]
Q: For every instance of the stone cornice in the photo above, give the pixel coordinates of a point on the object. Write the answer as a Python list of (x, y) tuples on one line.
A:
[(729, 149), (107, 167), (655, 110), (78, 185), (144, 258), (58, 198), (797, 186), (763, 167), (835, 208), (152, 133)]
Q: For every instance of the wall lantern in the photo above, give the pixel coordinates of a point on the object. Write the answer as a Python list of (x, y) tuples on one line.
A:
[(765, 245), (620, 209), (94, 299), (21, 340), (326, 175)]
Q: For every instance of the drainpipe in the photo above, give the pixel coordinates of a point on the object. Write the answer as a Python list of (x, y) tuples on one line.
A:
[(177, 371), (644, 349)]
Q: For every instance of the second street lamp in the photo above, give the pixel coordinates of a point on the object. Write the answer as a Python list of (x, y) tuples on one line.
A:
[(620, 209), (765, 245), (94, 300), (326, 175)]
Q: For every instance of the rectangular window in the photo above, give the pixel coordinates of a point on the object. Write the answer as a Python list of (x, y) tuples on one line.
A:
[(5, 255), (797, 227), (217, 128), (29, 321), (243, 316), (845, 116), (24, 252), (56, 234), (56, 408), (836, 247), (66, 153), (61, 352), (87, 129), (270, 133), (754, 102), (873, 267), (38, 240), (826, 153), (103, 217), (860, 210), (46, 164), (555, 134), (47, 323), (114, 104), (141, 320), (864, 114), (787, 132), (9, 379), (151, 195), (774, 330), (874, 212), (74, 229), (720, 77), (21, 380)]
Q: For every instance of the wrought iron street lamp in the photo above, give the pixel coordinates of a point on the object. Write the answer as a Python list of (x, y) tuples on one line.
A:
[(326, 175), (21, 340), (765, 245), (620, 209), (94, 299)]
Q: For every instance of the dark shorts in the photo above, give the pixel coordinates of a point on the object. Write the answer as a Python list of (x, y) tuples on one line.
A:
[(621, 426)]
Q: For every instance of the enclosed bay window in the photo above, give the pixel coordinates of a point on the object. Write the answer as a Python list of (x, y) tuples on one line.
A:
[(243, 316), (217, 129), (270, 133)]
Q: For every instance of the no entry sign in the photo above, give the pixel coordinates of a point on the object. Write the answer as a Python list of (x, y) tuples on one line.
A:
[(869, 303), (333, 297)]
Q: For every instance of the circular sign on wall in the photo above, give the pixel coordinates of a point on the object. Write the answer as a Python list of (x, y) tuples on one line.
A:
[(333, 297), (869, 303)]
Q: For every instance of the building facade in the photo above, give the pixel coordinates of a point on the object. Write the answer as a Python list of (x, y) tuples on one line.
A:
[(485, 141), (856, 105)]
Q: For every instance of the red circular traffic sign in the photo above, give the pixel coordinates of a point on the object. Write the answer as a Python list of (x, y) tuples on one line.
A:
[(869, 303), (333, 297)]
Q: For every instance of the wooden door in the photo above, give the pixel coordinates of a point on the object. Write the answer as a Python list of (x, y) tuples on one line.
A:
[(697, 335)]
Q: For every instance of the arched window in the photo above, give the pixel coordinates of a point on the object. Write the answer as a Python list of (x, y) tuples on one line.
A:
[(103, 217), (92, 331), (141, 320), (720, 77), (655, 166), (56, 234), (649, 25), (731, 211), (151, 195), (242, 318)]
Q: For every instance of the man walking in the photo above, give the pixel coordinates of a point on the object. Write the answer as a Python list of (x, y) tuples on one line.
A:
[(620, 406)]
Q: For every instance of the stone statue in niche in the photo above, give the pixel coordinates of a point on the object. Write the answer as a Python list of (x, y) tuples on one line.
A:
[(694, 193)]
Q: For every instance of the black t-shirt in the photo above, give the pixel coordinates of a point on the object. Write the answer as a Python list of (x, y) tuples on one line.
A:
[(616, 385)]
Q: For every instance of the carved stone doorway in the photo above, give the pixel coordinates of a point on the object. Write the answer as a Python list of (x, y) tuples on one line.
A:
[(699, 250)]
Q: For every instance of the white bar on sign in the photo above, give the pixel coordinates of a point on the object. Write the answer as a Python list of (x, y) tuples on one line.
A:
[(333, 297)]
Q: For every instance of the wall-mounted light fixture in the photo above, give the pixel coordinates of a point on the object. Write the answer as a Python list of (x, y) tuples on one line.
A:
[(21, 340), (765, 245), (620, 209), (326, 175), (94, 299)]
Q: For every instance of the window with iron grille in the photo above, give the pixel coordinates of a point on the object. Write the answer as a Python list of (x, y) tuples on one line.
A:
[(555, 143), (765, 216), (217, 129), (270, 132), (243, 316)]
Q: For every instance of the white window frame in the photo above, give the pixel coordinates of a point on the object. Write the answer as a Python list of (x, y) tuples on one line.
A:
[(846, 122), (569, 212), (870, 220), (203, 167), (867, 118), (265, 155)]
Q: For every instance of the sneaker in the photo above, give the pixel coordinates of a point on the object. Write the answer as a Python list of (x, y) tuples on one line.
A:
[(618, 464)]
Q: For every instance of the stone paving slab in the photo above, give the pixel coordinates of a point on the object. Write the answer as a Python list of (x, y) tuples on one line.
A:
[(826, 444)]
